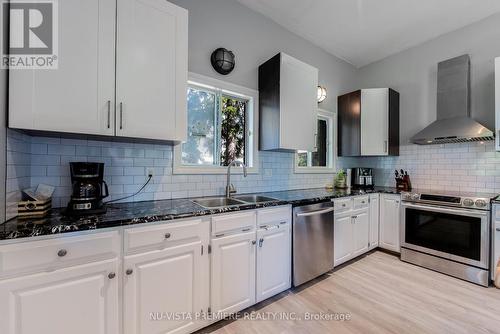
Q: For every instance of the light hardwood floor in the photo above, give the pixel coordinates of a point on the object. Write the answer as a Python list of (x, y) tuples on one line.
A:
[(382, 295)]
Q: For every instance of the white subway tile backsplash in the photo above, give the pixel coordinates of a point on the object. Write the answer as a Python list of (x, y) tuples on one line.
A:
[(465, 167), (33, 160)]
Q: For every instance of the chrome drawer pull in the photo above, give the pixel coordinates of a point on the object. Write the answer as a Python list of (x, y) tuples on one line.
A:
[(129, 272), (245, 229), (111, 275), (62, 253), (167, 235)]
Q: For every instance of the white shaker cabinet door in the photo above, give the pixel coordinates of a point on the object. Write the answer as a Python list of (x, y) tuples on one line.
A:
[(273, 260), (78, 96), (343, 238), (159, 285), (77, 300), (361, 233), (151, 73), (389, 222), (375, 121), (374, 220), (233, 272), (298, 104)]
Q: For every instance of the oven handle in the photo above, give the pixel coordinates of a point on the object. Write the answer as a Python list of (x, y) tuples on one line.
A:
[(446, 210)]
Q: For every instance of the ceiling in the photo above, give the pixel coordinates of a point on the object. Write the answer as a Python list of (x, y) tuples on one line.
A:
[(364, 31)]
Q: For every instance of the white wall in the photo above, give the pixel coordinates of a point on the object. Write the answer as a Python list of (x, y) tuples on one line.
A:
[(413, 73), (254, 39), (3, 119)]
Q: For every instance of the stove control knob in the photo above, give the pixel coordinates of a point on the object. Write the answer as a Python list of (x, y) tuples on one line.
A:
[(415, 197), (480, 203), (468, 202), (406, 196)]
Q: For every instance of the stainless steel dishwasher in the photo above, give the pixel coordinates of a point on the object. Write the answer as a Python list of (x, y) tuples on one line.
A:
[(312, 241)]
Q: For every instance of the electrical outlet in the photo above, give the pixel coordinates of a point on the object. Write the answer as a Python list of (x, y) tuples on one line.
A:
[(150, 172)]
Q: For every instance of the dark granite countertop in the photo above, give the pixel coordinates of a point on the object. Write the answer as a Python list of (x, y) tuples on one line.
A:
[(125, 214)]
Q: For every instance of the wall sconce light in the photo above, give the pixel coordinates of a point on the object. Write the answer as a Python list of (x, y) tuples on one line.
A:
[(223, 61), (321, 94)]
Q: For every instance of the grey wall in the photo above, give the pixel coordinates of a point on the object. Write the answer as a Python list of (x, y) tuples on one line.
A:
[(413, 74), (254, 39)]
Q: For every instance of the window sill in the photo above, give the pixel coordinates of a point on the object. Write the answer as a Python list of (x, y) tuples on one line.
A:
[(207, 170), (314, 170)]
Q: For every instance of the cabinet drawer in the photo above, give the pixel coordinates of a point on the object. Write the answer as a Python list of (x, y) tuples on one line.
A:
[(341, 205), (361, 202), (47, 254), (274, 215), (161, 235), (233, 221)]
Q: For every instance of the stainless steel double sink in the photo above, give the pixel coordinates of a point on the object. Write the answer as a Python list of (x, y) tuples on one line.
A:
[(222, 202)]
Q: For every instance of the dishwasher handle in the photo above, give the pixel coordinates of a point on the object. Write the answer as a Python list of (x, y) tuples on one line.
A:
[(313, 213)]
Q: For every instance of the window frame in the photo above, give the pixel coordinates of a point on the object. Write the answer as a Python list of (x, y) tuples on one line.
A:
[(331, 118), (251, 127)]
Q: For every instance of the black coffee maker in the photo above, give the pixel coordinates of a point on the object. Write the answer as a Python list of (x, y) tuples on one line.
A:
[(88, 187)]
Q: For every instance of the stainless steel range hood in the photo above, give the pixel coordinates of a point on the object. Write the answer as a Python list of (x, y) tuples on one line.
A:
[(453, 124)]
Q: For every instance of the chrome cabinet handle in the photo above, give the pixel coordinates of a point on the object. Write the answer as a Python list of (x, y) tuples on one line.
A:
[(254, 242), (167, 235), (245, 229), (111, 275), (109, 114), (129, 272), (62, 253), (261, 241), (121, 115), (385, 146)]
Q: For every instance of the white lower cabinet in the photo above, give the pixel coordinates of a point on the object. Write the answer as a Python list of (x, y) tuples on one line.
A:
[(164, 288), (374, 220), (360, 232), (273, 260), (79, 300), (169, 274), (233, 272), (342, 245), (389, 222), (351, 235)]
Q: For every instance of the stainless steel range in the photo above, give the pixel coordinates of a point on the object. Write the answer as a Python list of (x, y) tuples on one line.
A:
[(448, 233)]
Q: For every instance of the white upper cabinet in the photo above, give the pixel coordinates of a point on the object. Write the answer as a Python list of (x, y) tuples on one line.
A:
[(497, 102), (151, 77), (287, 104), (375, 121), (79, 96), (368, 123)]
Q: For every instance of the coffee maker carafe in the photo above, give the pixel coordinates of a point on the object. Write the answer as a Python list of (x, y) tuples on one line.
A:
[(88, 186)]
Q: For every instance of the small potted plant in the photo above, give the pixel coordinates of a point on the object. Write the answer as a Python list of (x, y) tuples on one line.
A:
[(340, 180)]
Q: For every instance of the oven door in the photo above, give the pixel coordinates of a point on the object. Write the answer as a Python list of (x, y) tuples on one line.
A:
[(456, 234)]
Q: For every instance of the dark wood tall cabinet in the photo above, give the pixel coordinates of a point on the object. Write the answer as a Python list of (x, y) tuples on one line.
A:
[(368, 123)]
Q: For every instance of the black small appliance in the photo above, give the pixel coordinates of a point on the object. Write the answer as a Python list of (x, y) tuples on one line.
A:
[(88, 187)]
